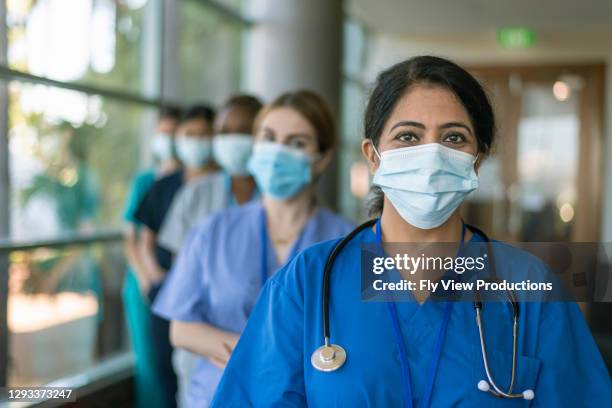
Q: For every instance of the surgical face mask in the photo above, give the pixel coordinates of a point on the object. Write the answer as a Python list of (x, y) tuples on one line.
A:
[(194, 151), (161, 146), (232, 152), (280, 171), (426, 183)]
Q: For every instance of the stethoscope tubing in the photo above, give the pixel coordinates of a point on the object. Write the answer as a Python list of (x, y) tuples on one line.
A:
[(327, 274)]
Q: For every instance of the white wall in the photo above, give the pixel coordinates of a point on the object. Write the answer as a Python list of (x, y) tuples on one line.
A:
[(482, 49)]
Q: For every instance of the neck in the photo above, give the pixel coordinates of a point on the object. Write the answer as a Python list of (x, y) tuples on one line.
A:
[(395, 229), (195, 172), (289, 214), (168, 166), (242, 188)]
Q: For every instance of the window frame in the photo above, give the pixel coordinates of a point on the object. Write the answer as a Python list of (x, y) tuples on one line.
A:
[(167, 39)]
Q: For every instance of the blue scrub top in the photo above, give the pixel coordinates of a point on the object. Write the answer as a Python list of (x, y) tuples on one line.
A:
[(270, 366), (217, 278)]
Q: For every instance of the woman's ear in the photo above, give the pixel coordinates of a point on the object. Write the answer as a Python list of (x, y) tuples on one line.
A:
[(367, 148), (322, 162), (479, 159)]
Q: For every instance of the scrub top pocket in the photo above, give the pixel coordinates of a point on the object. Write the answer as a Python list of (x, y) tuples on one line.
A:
[(500, 365)]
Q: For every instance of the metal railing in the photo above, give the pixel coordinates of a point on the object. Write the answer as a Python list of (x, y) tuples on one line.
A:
[(63, 240)]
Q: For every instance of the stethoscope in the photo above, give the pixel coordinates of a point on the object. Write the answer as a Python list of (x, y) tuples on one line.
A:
[(330, 357)]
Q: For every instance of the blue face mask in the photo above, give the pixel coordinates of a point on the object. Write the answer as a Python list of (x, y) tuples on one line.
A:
[(280, 172), (426, 183), (232, 152), (194, 151)]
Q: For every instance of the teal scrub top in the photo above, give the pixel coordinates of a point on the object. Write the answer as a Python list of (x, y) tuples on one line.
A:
[(141, 184), (270, 366)]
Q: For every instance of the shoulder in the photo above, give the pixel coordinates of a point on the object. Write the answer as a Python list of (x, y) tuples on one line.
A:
[(144, 177), (304, 272), (197, 187), (334, 221), (141, 183), (229, 219), (171, 179), (167, 181)]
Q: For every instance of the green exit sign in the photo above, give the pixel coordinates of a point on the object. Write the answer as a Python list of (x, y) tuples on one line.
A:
[(516, 37)]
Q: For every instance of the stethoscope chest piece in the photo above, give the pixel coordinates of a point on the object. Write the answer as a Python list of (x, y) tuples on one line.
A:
[(328, 357)]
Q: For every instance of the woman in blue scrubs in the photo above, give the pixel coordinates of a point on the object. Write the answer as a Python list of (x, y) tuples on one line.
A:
[(227, 259), (428, 126)]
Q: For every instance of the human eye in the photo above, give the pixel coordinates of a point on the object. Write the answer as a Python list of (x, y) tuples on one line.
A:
[(408, 137), (297, 144), (266, 136), (300, 141), (454, 138)]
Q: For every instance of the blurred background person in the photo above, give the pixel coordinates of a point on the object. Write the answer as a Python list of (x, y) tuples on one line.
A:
[(72, 189), (136, 284), (213, 191), (227, 259), (193, 147), (233, 144), (231, 184)]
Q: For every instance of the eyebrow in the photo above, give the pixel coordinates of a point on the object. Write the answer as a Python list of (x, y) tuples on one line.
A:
[(299, 135), (289, 136), (408, 123), (422, 126), (455, 124)]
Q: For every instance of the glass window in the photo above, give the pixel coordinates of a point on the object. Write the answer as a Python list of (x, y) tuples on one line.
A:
[(209, 54), (548, 166), (94, 42), (354, 48), (64, 311), (536, 186), (71, 156), (354, 173), (235, 5)]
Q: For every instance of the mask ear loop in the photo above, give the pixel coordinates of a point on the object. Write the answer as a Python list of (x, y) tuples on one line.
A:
[(475, 161), (376, 151)]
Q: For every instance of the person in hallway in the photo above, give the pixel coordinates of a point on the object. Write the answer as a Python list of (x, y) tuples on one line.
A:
[(428, 127), (227, 259), (193, 143), (136, 284), (232, 146), (211, 192)]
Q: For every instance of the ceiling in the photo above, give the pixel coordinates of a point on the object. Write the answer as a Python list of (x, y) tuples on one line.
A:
[(452, 16)]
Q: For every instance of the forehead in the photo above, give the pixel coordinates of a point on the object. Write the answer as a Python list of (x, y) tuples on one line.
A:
[(430, 105), (286, 120), (167, 123), (234, 118), (194, 123), (167, 120)]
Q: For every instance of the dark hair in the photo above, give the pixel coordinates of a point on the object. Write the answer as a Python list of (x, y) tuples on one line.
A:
[(250, 104), (393, 83), (170, 112), (201, 111), (314, 109)]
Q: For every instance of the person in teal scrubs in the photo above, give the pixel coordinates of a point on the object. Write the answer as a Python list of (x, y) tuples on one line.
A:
[(428, 126), (136, 283)]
